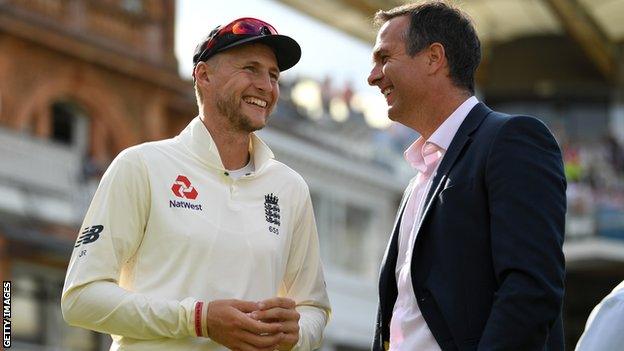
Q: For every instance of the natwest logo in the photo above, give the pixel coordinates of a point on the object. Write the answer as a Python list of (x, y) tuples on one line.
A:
[(182, 188)]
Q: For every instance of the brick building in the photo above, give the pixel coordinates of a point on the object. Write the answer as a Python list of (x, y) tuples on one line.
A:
[(79, 81)]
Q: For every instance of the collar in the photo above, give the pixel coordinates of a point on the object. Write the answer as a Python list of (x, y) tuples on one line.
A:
[(415, 154), (446, 131), (198, 140), (442, 136)]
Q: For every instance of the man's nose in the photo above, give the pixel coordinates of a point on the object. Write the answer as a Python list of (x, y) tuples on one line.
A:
[(375, 75), (263, 82)]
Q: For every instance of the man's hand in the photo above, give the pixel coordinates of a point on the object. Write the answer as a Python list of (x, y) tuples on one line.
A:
[(280, 310), (230, 324)]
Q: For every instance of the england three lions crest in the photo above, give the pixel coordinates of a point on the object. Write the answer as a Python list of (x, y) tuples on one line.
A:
[(272, 212)]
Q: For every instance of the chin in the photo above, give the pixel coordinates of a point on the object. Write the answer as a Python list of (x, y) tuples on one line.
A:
[(258, 126), (396, 115), (254, 124), (259, 122), (392, 114)]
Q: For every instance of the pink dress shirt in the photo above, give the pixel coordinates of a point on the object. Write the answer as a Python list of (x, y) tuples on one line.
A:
[(408, 329)]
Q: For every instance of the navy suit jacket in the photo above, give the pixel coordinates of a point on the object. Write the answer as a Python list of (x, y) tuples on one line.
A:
[(488, 266)]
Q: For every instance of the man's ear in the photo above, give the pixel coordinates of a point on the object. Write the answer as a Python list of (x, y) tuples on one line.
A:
[(436, 57), (202, 73)]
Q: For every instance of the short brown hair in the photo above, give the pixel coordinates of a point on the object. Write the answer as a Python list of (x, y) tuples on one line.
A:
[(439, 22)]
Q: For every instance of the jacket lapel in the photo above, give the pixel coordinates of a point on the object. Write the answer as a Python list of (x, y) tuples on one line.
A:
[(388, 263), (397, 221), (461, 140), (387, 278)]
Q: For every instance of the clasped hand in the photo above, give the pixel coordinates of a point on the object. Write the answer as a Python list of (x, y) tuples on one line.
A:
[(267, 325)]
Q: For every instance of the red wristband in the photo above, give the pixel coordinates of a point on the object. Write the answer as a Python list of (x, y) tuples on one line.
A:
[(199, 307)]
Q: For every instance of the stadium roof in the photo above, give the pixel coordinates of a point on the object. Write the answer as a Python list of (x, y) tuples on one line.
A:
[(596, 25)]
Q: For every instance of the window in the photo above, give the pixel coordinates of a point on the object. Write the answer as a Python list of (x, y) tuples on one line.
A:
[(64, 123), (26, 325), (345, 230), (356, 237), (132, 6), (70, 126)]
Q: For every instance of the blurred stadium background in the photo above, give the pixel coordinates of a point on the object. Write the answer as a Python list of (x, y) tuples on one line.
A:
[(80, 80)]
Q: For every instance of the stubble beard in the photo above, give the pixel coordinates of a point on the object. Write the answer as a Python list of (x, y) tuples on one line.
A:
[(229, 107)]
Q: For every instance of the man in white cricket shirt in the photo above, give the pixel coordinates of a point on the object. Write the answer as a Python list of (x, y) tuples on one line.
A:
[(204, 241)]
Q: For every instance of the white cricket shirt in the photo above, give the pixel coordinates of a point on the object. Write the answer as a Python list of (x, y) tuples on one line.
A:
[(168, 231)]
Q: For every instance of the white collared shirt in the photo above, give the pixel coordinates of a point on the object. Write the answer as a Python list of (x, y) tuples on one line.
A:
[(408, 328)]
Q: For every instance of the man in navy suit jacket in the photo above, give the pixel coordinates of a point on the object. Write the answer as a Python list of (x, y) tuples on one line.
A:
[(475, 259)]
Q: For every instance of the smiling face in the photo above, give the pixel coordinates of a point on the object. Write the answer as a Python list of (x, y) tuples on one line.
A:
[(245, 86), (402, 79)]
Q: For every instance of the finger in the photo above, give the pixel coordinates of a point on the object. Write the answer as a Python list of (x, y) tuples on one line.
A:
[(276, 313), (257, 327), (282, 302), (243, 346), (247, 347), (261, 341), (290, 340), (290, 328), (245, 306), (269, 320)]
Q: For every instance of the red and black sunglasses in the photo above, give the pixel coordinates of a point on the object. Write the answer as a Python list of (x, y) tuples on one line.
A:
[(222, 37)]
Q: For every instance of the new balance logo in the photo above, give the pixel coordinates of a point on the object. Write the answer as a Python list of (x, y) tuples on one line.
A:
[(182, 188), (271, 209), (89, 235)]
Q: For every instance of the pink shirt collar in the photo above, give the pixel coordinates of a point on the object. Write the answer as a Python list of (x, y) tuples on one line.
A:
[(442, 137)]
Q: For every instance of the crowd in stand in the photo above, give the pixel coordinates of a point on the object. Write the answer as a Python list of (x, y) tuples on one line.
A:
[(595, 174)]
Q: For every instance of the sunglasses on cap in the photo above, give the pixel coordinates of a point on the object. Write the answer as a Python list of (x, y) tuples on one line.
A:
[(249, 30), (218, 38)]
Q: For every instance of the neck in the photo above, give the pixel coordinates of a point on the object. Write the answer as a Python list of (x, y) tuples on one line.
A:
[(431, 116), (233, 146)]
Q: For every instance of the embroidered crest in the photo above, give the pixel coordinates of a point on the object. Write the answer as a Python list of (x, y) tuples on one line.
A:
[(272, 212)]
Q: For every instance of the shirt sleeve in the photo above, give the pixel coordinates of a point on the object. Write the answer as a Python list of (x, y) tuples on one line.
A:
[(605, 326), (110, 236), (304, 281)]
